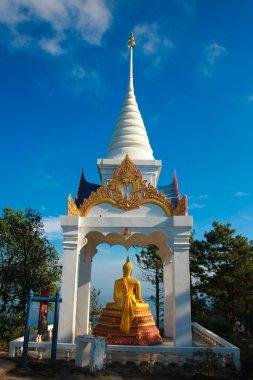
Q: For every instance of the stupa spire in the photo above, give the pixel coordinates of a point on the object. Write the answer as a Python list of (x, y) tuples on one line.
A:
[(131, 46), (130, 135)]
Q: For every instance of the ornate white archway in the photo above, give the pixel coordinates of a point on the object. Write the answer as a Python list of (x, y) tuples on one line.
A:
[(81, 237), (93, 239), (126, 201)]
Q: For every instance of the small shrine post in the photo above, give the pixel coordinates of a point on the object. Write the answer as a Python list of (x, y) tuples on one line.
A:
[(56, 300)]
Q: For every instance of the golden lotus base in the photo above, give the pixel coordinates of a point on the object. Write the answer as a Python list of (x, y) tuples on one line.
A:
[(143, 331)]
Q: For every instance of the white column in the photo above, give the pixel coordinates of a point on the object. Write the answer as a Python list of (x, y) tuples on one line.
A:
[(69, 280), (168, 297), (83, 293), (181, 275)]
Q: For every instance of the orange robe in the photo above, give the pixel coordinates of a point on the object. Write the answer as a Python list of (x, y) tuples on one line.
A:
[(128, 308)]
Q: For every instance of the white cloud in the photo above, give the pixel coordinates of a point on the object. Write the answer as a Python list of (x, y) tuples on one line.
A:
[(149, 38), (204, 196), (78, 72), (88, 19), (241, 194), (79, 80), (213, 52), (21, 41), (52, 46), (196, 205), (52, 227)]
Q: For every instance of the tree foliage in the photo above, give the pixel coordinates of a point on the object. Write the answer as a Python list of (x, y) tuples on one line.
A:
[(95, 305), (27, 261), (152, 271), (222, 275)]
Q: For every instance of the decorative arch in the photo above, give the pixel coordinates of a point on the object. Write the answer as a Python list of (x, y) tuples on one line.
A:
[(94, 238), (127, 190)]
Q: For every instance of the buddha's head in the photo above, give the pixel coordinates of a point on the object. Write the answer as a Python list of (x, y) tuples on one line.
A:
[(127, 267)]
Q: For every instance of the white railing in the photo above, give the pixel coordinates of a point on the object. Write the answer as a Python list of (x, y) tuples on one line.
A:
[(209, 337), (218, 344), (41, 348), (162, 354), (178, 355)]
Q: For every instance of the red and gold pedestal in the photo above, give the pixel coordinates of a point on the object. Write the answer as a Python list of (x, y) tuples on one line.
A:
[(143, 331)]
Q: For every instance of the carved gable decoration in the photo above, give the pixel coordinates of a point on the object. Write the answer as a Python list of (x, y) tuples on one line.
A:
[(127, 190)]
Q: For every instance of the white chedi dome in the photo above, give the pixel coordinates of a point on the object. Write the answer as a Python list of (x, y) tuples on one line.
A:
[(130, 135)]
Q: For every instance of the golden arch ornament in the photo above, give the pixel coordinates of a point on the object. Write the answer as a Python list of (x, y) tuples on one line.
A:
[(127, 190)]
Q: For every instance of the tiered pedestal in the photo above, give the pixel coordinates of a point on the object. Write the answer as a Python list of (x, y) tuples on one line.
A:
[(143, 331)]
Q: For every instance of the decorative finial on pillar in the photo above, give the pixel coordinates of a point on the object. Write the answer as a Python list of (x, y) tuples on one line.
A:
[(131, 42)]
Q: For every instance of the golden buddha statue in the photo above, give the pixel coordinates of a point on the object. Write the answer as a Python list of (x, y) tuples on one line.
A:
[(127, 320)]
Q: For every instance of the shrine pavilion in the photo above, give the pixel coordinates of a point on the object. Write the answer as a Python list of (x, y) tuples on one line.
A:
[(129, 197)]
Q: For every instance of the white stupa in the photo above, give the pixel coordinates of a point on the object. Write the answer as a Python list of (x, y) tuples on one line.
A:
[(130, 135)]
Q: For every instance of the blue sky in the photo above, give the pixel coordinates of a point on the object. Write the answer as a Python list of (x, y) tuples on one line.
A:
[(63, 75)]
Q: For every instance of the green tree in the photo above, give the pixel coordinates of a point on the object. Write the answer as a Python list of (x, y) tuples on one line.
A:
[(223, 273), (152, 271), (27, 261), (95, 305), (199, 276)]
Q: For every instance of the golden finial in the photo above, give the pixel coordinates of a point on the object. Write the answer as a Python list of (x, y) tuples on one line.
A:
[(131, 42)]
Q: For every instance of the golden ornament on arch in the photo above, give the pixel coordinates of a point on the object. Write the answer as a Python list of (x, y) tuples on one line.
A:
[(112, 192)]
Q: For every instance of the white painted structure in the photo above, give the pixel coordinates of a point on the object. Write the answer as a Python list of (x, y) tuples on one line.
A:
[(88, 354), (147, 224), (90, 351), (179, 355)]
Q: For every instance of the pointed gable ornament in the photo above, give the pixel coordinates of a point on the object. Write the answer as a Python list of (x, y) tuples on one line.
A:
[(127, 190)]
